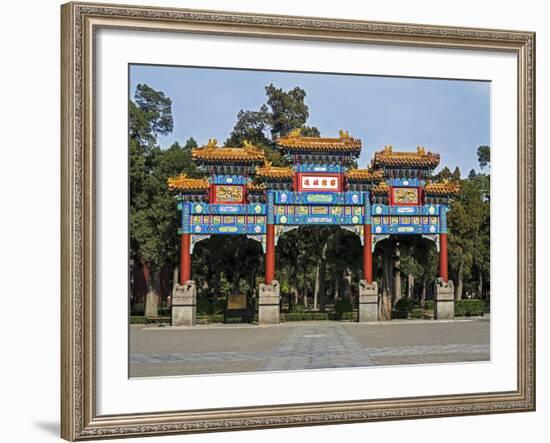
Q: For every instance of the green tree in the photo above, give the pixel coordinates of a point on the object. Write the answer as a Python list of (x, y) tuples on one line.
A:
[(282, 112), (469, 231), (153, 219), (484, 156)]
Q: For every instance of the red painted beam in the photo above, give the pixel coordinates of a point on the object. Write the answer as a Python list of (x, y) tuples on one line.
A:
[(443, 267), (185, 261), (270, 254), (367, 253)]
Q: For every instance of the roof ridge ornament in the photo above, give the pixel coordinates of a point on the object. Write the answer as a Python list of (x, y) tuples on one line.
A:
[(343, 134), (212, 143), (295, 133), (421, 150)]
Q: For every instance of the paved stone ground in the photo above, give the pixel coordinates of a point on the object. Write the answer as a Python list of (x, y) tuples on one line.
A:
[(157, 351)]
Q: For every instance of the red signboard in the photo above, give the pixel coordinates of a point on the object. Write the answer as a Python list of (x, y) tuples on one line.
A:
[(313, 182)]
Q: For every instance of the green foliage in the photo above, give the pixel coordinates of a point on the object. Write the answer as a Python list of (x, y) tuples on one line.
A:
[(208, 319), (283, 112), (342, 306), (150, 116), (416, 313), (404, 305), (469, 233), (484, 156), (348, 316), (142, 320), (298, 308), (429, 304), (306, 316), (468, 308), (137, 309)]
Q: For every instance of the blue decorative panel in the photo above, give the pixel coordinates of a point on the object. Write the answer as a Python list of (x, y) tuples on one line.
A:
[(185, 217), (328, 219), (405, 229), (406, 182), (225, 229), (319, 198), (378, 209), (308, 167), (229, 180), (270, 207), (205, 208), (443, 219)]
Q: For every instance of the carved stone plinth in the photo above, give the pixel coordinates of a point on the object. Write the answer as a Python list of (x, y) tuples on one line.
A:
[(184, 304), (269, 303), (444, 300), (368, 301)]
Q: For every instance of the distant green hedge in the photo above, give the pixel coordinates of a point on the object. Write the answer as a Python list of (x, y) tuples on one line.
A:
[(469, 308), (348, 316), (142, 320), (305, 316), (207, 319), (416, 313)]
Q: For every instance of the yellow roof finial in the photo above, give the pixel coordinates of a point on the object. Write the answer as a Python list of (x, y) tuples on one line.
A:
[(247, 144), (421, 150), (212, 142), (343, 134), (295, 132)]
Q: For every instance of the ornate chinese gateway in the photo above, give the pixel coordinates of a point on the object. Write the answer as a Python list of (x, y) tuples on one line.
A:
[(245, 195)]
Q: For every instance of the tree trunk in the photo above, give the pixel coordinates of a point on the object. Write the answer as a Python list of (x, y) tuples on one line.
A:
[(480, 284), (387, 284), (304, 286), (294, 292), (410, 286), (322, 296), (316, 287), (236, 283), (175, 277), (152, 298), (336, 288), (423, 294), (459, 283), (347, 285), (397, 274)]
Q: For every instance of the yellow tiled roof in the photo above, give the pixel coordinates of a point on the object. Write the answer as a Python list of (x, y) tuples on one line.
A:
[(276, 172), (365, 175), (445, 188), (381, 189), (295, 141), (210, 153), (183, 183), (419, 159)]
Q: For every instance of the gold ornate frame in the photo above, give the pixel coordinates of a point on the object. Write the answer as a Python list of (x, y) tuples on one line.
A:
[(80, 21)]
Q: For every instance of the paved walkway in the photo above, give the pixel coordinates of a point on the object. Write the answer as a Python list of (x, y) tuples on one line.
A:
[(215, 349)]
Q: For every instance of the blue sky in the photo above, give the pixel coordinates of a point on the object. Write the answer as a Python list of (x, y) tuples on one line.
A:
[(451, 117)]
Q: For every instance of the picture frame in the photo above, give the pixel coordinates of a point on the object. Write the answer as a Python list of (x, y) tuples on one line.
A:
[(79, 178)]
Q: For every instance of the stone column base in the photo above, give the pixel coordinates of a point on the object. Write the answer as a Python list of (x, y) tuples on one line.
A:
[(368, 301), (184, 304), (444, 300), (269, 303)]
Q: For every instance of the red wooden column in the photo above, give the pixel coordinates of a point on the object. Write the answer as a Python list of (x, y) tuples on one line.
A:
[(270, 254), (185, 260), (443, 271), (367, 253)]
